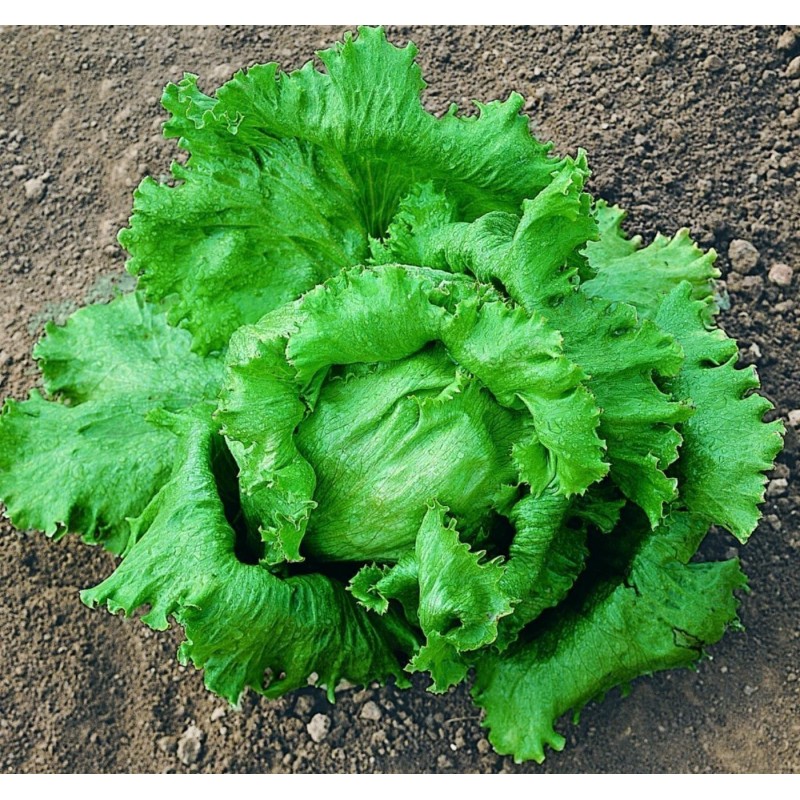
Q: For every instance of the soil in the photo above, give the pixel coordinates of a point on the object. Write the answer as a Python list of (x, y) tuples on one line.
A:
[(694, 127)]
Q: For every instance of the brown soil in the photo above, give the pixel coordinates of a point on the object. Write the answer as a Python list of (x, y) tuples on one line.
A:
[(685, 127)]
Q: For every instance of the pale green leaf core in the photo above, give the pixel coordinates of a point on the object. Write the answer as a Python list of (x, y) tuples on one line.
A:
[(440, 380)]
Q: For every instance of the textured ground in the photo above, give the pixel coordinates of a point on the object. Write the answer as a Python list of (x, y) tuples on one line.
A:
[(688, 127)]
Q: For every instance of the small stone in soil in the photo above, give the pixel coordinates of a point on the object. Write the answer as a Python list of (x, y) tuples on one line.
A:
[(780, 274), (190, 745), (743, 256), (370, 711), (319, 727), (713, 63), (777, 487), (34, 189), (793, 70), (787, 40), (218, 713), (166, 744), (794, 417), (774, 521)]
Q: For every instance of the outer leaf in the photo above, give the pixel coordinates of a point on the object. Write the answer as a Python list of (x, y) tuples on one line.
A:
[(88, 466), (613, 243), (642, 277), (291, 174), (623, 355), (262, 398), (659, 614), (244, 626), (727, 447), (528, 256), (249, 227)]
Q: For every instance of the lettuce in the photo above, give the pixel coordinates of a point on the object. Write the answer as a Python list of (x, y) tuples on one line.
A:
[(395, 394)]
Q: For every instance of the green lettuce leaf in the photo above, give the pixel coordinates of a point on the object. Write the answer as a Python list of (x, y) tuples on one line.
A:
[(375, 586), (378, 446), (642, 276), (92, 457), (545, 558), (660, 612), (535, 259), (290, 176), (461, 599), (727, 447)]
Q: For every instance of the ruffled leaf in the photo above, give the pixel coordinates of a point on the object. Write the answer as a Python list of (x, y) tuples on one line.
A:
[(623, 356), (385, 441), (89, 463), (642, 276), (727, 447), (363, 586), (519, 358), (659, 614), (545, 558), (461, 599), (290, 175), (531, 258)]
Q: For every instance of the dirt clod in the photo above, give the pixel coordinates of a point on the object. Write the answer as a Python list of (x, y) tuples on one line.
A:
[(319, 727), (35, 189), (743, 256), (787, 40), (777, 487), (371, 711), (190, 745), (781, 274), (714, 63), (303, 706)]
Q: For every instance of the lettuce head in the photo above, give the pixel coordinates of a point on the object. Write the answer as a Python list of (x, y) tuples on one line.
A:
[(395, 394)]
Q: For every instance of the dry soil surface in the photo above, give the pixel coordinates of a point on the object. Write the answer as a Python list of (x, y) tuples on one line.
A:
[(684, 127)]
